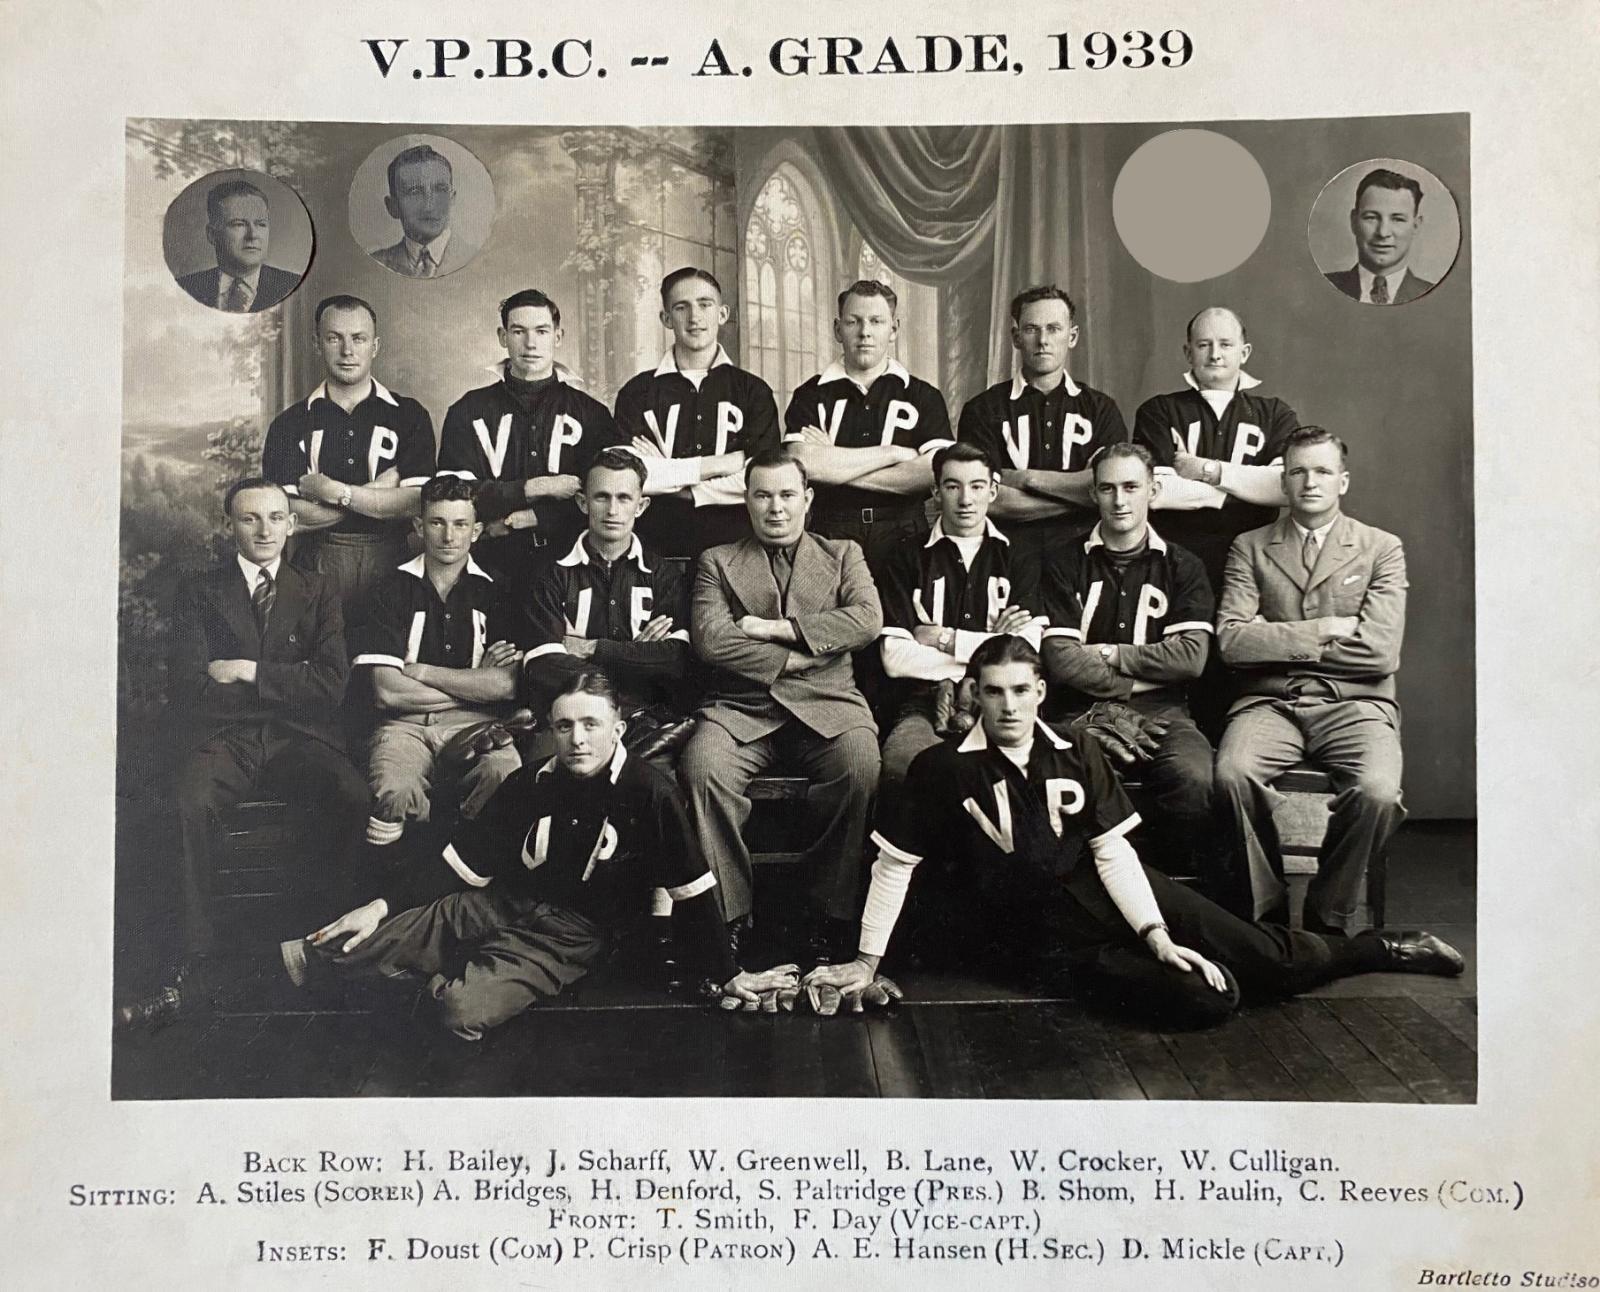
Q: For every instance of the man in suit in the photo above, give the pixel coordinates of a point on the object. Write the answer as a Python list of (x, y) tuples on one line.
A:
[(421, 192), (776, 616), (1312, 613), (255, 673), (1385, 220), (239, 229)]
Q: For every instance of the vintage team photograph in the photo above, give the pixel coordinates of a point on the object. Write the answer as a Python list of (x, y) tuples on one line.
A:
[(965, 612)]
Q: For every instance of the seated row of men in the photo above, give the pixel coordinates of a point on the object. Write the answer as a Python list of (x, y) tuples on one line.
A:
[(1312, 612)]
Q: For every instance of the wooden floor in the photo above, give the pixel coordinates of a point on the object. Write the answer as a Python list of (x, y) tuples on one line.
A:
[(1377, 1038)]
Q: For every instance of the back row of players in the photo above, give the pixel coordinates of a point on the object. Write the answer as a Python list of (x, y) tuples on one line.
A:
[(532, 570)]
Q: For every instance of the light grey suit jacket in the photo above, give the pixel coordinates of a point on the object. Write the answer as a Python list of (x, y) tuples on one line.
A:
[(1266, 621), (833, 603), (456, 253)]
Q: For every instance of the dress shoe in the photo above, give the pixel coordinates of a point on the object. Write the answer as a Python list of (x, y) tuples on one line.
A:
[(1416, 952), (150, 1012)]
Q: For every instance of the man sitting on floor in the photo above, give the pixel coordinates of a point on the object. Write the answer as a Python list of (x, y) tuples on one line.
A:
[(543, 879), (1027, 831)]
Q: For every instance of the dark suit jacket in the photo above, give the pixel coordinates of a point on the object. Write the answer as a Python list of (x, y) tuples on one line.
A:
[(271, 287), (301, 669), (1348, 281), (832, 600), (1265, 625)]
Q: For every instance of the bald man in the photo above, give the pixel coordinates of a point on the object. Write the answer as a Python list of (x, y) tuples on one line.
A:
[(1220, 436)]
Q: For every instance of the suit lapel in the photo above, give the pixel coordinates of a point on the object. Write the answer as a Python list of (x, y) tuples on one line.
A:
[(750, 577), (1284, 552), (1337, 551), (812, 576), (233, 604), (286, 606)]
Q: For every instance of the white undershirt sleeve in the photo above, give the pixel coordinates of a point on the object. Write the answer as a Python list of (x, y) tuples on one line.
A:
[(891, 876), (906, 657), (719, 491), (1178, 494), (668, 475), (1260, 485), (1124, 879)]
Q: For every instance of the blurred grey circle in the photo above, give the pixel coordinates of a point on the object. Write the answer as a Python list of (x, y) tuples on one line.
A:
[(1191, 205)]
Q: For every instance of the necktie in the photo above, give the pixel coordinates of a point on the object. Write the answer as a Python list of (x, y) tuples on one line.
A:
[(1308, 553), (261, 600), (1380, 290), (238, 300), (782, 573), (425, 266)]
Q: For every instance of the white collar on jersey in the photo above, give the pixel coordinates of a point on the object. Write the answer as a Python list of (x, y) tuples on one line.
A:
[(617, 760), (1157, 543), (1019, 383), (669, 361), (321, 392), (990, 530), (418, 566), (835, 372), (1246, 381), (579, 555), (560, 372), (976, 740)]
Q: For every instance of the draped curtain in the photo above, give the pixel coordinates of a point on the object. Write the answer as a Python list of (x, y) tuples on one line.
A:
[(978, 211)]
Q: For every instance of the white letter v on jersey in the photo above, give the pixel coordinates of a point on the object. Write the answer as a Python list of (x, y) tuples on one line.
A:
[(1000, 835)]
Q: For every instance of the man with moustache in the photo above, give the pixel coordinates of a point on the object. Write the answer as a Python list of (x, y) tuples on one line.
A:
[(421, 194), (527, 438), (776, 616), (1021, 834), (255, 672), (352, 456), (696, 418), (865, 429), (1385, 220), (439, 644), (1312, 615), (239, 229), (1042, 427), (529, 895)]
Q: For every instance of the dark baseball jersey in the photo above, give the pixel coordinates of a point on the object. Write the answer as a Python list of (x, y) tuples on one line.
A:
[(897, 409), (408, 622), (1250, 432), (384, 430), (581, 595), (493, 434), (930, 584), (997, 833), (597, 845), (729, 411)]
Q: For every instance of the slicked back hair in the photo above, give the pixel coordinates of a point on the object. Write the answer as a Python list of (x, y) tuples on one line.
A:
[(528, 298), (615, 460), (1044, 292), (779, 457), (1004, 648), (590, 681), (217, 194), (412, 157), (1121, 449), (250, 482), (1393, 181), (1305, 436), (870, 287), (684, 275), (960, 451)]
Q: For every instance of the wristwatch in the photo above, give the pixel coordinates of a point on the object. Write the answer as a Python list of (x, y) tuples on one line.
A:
[(1106, 652), (344, 496), (947, 639)]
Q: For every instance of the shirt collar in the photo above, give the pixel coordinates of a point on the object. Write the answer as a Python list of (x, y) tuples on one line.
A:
[(1019, 384), (418, 566), (579, 555), (252, 571), (990, 530), (561, 373), (977, 739), (835, 371), (1392, 280), (1246, 381), (669, 361), (378, 389), (1321, 532), (1156, 542), (618, 759), (435, 248)]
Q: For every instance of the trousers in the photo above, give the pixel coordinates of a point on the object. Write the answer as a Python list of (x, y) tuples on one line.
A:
[(487, 955), (1357, 742), (716, 770)]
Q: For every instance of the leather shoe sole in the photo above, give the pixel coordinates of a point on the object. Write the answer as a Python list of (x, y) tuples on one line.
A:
[(1422, 952)]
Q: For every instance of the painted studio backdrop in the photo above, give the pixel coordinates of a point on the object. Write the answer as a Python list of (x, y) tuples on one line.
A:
[(957, 219)]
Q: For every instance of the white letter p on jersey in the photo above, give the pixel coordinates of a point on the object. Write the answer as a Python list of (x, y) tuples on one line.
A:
[(565, 430)]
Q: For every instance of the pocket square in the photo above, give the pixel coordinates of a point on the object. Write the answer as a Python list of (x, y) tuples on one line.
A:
[(1351, 578)]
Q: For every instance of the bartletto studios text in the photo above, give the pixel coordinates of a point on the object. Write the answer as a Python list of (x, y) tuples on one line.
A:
[(574, 1207)]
